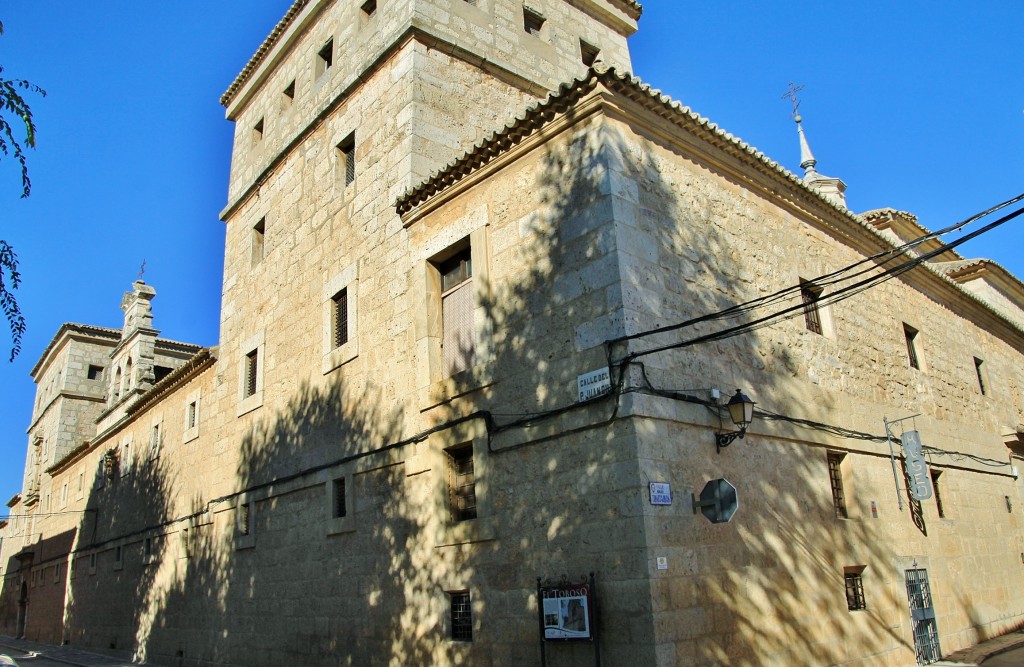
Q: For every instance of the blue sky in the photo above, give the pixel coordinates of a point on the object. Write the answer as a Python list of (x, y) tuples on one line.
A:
[(915, 105)]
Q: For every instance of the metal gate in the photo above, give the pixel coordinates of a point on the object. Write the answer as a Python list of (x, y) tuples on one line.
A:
[(926, 633)]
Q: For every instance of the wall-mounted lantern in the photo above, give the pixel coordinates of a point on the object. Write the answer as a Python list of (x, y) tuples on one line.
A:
[(741, 410)]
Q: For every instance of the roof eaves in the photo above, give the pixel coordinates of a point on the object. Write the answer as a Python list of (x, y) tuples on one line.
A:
[(262, 51), (87, 329)]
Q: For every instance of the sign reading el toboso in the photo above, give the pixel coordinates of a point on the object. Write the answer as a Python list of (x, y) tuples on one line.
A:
[(566, 612)]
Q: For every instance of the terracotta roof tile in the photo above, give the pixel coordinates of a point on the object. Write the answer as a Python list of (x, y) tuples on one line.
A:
[(261, 52)]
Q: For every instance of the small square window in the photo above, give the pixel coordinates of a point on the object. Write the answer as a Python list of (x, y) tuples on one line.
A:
[(461, 483), (347, 158), (369, 8), (588, 53), (325, 58), (854, 591), (257, 131), (460, 617), (339, 318), (95, 372), (980, 373), (258, 241), (910, 335), (252, 363), (533, 22)]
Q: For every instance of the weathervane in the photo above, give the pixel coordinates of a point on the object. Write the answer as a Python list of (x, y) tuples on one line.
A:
[(791, 96), (142, 269)]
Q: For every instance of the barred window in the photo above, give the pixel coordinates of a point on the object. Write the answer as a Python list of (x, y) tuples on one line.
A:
[(910, 334), (252, 362), (347, 158), (339, 318), (835, 476), (854, 591), (461, 483), (461, 620), (810, 294)]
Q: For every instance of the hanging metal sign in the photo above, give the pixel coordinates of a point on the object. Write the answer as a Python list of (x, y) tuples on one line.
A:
[(917, 467)]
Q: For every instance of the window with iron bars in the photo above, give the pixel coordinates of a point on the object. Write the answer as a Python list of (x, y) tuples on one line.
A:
[(810, 294), (910, 334), (461, 483), (835, 477), (461, 617), (347, 158), (252, 362), (855, 591), (340, 318)]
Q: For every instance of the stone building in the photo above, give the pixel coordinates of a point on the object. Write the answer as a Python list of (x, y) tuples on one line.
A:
[(441, 215)]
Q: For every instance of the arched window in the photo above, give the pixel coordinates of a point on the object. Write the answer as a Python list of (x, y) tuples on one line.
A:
[(117, 384), (128, 379)]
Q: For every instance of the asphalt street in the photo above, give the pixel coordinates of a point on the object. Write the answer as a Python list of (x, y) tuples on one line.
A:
[(1014, 658)]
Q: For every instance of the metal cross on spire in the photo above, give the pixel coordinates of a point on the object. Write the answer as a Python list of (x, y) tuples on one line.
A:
[(142, 269), (790, 94)]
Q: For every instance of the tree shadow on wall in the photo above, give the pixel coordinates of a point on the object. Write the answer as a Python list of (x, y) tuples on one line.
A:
[(622, 235), (124, 540)]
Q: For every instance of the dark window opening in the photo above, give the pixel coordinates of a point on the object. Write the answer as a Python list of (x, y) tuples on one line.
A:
[(910, 334), (258, 241), (461, 617), (588, 53), (340, 507), (289, 92), (325, 58), (532, 22), (369, 8), (252, 362), (347, 157), (244, 519), (810, 294), (835, 477), (193, 411), (339, 316), (160, 372), (461, 483), (257, 131), (95, 372)]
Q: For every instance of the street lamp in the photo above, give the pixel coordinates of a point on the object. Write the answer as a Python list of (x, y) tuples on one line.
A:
[(741, 410)]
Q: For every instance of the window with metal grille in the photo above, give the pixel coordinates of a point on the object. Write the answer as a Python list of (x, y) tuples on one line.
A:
[(258, 241), (978, 363), (461, 617), (588, 53), (910, 334), (95, 372), (252, 363), (461, 483), (532, 22), (810, 294), (325, 58), (347, 157), (835, 477), (340, 507), (245, 519), (339, 318), (457, 339), (854, 591), (935, 491)]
